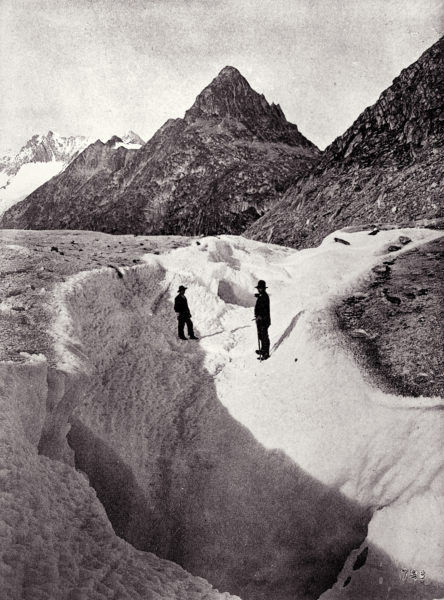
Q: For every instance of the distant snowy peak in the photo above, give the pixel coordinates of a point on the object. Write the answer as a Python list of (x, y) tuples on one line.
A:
[(44, 148), (40, 159), (132, 138), (44, 156)]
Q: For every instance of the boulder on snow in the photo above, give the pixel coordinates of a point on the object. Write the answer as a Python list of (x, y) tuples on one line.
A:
[(403, 239), (381, 269), (341, 241)]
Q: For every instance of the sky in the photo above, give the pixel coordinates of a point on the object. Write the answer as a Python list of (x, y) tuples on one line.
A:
[(102, 67)]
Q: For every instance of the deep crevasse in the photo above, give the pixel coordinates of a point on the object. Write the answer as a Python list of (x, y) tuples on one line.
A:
[(268, 511)]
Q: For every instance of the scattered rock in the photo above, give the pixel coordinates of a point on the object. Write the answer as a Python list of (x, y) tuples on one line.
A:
[(374, 231), (403, 239), (422, 292), (361, 559), (381, 269), (54, 249), (361, 333), (392, 299), (421, 378), (14, 293), (341, 241), (18, 308), (358, 297), (393, 248)]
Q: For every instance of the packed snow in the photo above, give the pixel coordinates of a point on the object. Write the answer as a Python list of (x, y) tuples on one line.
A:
[(259, 476), (29, 178)]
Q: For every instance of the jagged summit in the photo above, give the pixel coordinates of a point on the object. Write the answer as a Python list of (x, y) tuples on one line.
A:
[(230, 96)]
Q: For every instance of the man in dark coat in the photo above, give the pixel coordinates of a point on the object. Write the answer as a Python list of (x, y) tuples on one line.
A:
[(263, 322), (183, 314)]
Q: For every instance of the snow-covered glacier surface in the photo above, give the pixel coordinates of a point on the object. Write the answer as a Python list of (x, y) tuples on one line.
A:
[(288, 478)]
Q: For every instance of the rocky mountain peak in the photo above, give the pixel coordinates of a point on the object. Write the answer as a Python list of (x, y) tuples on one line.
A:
[(230, 97), (113, 140), (229, 94)]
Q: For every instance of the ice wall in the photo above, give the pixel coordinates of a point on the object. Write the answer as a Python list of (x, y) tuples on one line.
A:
[(176, 473)]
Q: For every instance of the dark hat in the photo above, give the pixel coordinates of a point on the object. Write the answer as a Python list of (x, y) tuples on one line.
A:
[(182, 288), (261, 285)]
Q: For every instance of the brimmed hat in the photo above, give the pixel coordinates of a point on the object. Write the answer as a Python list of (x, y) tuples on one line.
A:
[(182, 288), (261, 285)]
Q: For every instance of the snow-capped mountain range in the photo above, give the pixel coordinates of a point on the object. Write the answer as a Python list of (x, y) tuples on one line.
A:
[(43, 157)]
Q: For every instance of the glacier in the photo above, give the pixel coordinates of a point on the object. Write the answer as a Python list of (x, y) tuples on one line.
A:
[(126, 452)]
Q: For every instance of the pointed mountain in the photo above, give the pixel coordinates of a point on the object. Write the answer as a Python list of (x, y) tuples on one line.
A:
[(215, 171), (230, 96), (386, 168)]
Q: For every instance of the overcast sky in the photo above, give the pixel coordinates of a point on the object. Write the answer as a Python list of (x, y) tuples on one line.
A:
[(99, 67)]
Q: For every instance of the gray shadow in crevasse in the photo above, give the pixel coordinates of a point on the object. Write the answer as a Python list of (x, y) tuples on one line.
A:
[(373, 575), (209, 497)]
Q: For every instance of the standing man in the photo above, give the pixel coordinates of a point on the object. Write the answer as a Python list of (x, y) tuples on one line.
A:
[(263, 322), (183, 314)]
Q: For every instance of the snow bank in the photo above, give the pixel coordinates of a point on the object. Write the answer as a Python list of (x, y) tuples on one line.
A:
[(260, 477)]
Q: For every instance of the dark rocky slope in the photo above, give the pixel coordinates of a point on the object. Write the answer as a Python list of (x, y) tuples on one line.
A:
[(386, 168), (215, 171), (394, 322)]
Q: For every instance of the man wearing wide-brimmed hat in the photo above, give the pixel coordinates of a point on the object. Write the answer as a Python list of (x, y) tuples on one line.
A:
[(183, 314), (263, 321)]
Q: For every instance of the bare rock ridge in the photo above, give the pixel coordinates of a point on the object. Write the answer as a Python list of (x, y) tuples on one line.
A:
[(215, 171), (387, 167)]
